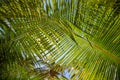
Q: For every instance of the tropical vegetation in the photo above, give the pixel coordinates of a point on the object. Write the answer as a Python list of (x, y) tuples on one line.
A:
[(59, 40)]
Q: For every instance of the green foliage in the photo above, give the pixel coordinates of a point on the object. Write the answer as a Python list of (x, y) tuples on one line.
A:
[(59, 39)]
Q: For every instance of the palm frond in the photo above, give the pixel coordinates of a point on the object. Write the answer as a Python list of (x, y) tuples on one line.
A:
[(60, 39)]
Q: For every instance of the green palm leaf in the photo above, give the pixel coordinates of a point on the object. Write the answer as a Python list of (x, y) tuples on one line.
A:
[(59, 39)]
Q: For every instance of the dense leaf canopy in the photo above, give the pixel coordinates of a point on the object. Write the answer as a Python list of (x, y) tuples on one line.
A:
[(59, 39)]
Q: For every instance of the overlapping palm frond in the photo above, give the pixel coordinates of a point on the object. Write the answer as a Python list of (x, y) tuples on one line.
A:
[(59, 39)]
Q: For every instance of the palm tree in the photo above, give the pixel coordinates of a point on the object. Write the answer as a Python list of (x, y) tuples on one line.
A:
[(59, 40)]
